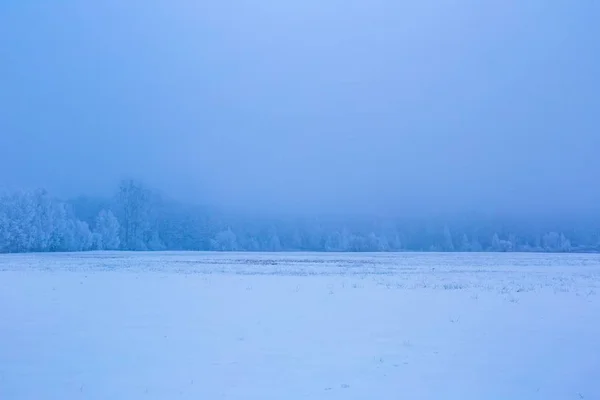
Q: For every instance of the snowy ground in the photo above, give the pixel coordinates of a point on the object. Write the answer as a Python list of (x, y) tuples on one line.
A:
[(299, 326)]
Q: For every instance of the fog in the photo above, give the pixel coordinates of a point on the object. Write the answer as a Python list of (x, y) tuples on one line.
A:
[(306, 106)]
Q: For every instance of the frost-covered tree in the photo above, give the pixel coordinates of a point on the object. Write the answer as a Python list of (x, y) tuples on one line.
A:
[(296, 240), (133, 205), (274, 243), (337, 241), (359, 243), (250, 243), (32, 221), (565, 244), (396, 243), (270, 239), (551, 241), (4, 230), (137, 216), (20, 212), (475, 245), (501, 245), (75, 235), (107, 231), (48, 215), (514, 243), (448, 243), (377, 243), (225, 241), (496, 246), (465, 245)]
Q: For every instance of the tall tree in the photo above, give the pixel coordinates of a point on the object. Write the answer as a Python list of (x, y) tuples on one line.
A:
[(137, 215), (448, 244), (465, 245), (107, 231), (4, 230)]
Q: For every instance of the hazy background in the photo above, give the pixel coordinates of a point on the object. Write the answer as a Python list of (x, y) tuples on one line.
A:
[(311, 106)]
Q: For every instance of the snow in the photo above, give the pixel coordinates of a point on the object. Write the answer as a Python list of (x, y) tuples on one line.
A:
[(299, 326)]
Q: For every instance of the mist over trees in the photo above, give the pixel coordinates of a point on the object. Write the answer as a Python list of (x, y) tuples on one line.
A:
[(139, 218)]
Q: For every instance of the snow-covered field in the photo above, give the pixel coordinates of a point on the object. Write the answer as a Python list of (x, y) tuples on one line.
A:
[(299, 326)]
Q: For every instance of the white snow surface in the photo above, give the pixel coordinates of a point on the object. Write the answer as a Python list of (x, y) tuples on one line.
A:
[(299, 326)]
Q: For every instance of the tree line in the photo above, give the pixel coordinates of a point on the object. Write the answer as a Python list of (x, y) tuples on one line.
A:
[(138, 218)]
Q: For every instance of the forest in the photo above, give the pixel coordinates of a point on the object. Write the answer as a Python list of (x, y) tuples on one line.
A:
[(139, 218)]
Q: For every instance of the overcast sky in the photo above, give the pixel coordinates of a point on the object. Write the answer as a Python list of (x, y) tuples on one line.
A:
[(307, 105)]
